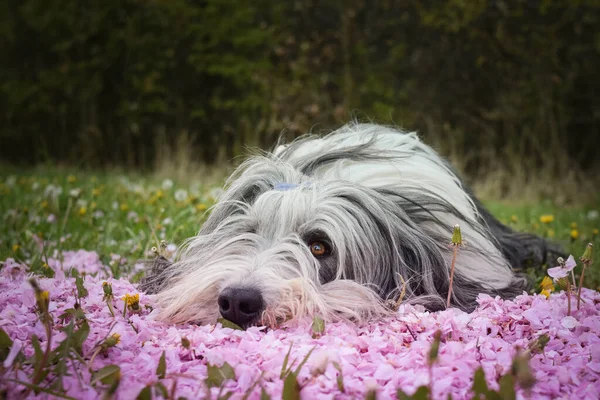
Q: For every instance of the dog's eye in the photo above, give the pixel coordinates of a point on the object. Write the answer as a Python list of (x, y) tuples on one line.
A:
[(319, 249)]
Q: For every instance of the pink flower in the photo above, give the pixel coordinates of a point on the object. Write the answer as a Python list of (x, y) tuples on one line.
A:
[(383, 355), (562, 270)]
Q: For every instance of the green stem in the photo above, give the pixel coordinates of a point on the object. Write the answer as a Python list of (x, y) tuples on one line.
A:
[(451, 275), (38, 376), (580, 286), (110, 308), (568, 298)]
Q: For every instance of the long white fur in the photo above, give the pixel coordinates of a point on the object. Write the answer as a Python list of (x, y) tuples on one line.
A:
[(257, 243)]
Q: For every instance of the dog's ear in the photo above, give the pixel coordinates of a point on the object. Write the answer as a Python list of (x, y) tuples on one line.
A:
[(156, 274)]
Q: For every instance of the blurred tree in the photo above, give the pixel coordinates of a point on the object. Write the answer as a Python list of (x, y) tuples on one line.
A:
[(105, 82)]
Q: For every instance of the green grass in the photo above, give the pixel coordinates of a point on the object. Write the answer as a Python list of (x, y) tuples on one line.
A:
[(126, 215)]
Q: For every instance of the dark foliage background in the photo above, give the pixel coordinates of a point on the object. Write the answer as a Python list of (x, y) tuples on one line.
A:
[(112, 82)]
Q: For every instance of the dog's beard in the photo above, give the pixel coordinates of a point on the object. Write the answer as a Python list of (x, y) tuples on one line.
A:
[(280, 267)]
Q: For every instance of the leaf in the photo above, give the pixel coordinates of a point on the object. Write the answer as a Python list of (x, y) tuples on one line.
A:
[(304, 361), (284, 368), (228, 324), (340, 378), (81, 290), (161, 389), (507, 387), (161, 370), (5, 344), (264, 395), (185, 343), (38, 355), (291, 389), (145, 394), (81, 335), (226, 396), (217, 375), (480, 386), (422, 393), (106, 375), (318, 326), (435, 348)]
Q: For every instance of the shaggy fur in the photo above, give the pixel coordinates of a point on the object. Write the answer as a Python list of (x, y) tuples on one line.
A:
[(383, 203)]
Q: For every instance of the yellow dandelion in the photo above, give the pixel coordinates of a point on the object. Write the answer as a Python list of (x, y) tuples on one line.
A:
[(93, 205), (550, 233), (45, 266), (159, 194), (514, 218), (574, 234), (111, 341), (71, 179), (82, 211), (545, 293), (547, 284), (96, 192), (546, 219), (15, 248), (124, 207), (595, 232), (44, 204), (132, 301), (201, 207), (44, 295)]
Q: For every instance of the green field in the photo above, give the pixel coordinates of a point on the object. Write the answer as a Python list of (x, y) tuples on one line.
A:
[(121, 217)]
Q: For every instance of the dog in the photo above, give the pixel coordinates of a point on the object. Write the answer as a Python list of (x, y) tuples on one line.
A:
[(337, 226)]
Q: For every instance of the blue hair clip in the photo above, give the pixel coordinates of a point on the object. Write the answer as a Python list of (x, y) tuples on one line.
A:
[(283, 187)]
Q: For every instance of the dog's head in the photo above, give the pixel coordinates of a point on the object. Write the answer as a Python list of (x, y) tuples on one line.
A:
[(282, 250)]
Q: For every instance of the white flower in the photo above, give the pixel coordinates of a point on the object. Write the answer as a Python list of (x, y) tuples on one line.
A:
[(35, 185), (98, 214), (137, 188), (167, 221), (593, 214), (320, 361), (563, 269), (52, 191), (171, 248), (215, 193), (195, 189), (11, 180), (75, 193), (82, 203), (167, 184), (51, 218), (181, 195), (132, 216), (115, 205)]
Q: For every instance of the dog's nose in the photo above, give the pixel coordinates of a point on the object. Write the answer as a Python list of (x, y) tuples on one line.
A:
[(240, 306)]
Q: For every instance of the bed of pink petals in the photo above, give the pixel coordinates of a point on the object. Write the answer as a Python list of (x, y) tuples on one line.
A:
[(386, 354)]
